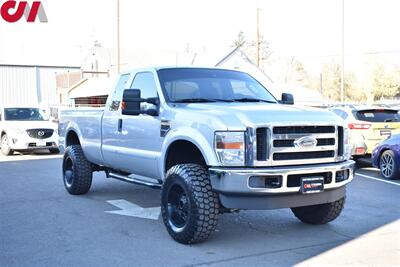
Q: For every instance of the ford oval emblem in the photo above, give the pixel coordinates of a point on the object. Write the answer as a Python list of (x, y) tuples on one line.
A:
[(305, 142)]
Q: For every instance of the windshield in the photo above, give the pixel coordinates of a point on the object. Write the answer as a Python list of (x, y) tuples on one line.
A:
[(211, 85), (378, 115), (24, 114)]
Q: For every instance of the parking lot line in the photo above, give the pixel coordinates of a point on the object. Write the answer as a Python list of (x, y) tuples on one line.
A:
[(377, 179)]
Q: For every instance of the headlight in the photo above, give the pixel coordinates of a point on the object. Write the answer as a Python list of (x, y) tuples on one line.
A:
[(229, 147), (347, 145)]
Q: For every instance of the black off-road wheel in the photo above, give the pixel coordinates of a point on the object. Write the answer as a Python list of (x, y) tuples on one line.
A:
[(388, 165), (5, 147), (319, 214), (189, 206), (77, 171)]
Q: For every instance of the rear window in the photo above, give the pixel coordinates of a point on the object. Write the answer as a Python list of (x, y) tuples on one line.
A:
[(378, 115)]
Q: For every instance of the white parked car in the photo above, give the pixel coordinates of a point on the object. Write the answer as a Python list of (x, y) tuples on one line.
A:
[(26, 129)]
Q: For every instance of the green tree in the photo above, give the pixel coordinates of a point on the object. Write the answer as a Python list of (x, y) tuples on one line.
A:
[(331, 84), (384, 83)]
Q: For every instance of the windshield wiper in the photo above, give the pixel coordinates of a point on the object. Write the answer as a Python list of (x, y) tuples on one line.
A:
[(194, 100), (245, 99), (202, 100)]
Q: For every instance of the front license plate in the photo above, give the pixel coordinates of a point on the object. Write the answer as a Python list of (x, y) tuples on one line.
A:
[(311, 185), (41, 144)]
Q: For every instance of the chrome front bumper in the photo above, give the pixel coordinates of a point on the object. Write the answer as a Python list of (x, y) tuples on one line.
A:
[(236, 180)]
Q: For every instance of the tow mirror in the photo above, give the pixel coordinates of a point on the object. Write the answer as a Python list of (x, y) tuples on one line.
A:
[(131, 103), (287, 99)]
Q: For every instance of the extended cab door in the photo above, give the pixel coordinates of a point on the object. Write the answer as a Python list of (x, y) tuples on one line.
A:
[(136, 141), (110, 123)]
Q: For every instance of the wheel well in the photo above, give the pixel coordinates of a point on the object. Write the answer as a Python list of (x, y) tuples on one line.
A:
[(72, 139), (183, 152)]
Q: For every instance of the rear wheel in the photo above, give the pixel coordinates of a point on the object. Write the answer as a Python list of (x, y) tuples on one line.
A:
[(319, 214), (5, 147), (189, 206), (77, 171), (388, 165)]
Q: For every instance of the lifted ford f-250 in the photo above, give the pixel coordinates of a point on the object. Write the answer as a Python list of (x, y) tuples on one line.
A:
[(214, 141)]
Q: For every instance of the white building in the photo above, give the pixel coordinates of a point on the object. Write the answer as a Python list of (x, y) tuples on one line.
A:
[(30, 84)]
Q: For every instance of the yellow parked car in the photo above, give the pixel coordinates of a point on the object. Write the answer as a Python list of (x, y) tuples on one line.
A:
[(368, 126)]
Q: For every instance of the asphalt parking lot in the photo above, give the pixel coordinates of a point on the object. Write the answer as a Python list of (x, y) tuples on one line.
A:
[(42, 225)]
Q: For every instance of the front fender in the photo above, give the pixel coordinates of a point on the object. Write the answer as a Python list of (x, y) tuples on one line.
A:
[(191, 135)]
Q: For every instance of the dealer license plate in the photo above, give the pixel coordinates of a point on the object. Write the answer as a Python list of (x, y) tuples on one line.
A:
[(40, 143), (311, 185)]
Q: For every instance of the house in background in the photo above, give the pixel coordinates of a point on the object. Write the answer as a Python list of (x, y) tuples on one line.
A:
[(90, 92), (238, 60)]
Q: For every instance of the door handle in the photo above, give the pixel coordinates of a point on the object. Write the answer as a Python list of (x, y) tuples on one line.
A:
[(119, 125)]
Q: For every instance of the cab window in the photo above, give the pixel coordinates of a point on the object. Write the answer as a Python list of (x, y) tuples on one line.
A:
[(117, 94), (144, 81)]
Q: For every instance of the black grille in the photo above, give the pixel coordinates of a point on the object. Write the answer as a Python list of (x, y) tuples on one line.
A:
[(294, 180), (304, 155), (262, 149), (290, 142), (40, 133), (340, 141), (303, 129)]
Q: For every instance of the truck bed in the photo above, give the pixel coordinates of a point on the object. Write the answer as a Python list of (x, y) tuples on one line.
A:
[(87, 123)]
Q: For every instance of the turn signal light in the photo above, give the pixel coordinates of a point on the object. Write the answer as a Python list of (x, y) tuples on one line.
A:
[(359, 126)]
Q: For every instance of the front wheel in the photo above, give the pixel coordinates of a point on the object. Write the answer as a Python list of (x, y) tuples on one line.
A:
[(388, 165), (5, 147), (77, 171), (189, 206), (319, 214)]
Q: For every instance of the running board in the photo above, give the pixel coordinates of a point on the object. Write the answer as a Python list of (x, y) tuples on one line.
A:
[(128, 179)]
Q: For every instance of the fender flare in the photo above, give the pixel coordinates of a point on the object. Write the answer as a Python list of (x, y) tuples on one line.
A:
[(192, 136)]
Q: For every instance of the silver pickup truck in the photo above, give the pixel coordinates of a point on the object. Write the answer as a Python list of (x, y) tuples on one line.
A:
[(214, 141)]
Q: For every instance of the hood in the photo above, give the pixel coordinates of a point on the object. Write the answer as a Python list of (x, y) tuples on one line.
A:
[(25, 125), (242, 115)]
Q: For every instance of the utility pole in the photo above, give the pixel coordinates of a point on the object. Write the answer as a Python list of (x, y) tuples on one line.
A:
[(342, 79), (118, 42), (258, 37)]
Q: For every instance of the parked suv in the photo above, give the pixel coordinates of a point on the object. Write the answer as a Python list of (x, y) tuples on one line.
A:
[(368, 126), (26, 129)]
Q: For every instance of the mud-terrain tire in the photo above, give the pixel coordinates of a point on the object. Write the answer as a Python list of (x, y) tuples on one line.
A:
[(5, 148), (189, 206), (319, 214), (77, 171)]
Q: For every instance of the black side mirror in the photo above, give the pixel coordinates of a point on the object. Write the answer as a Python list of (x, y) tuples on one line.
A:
[(131, 103), (287, 99)]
